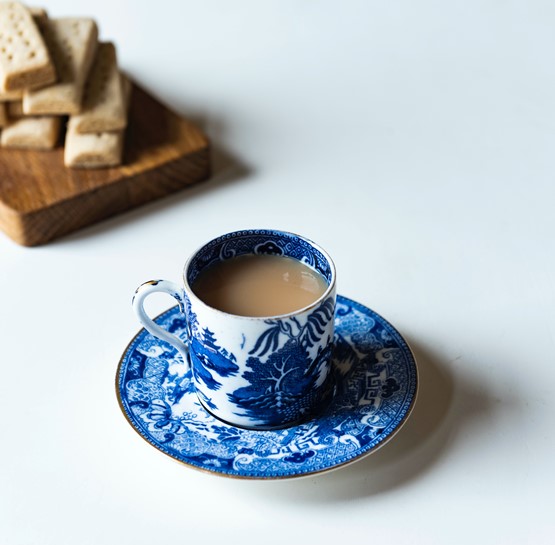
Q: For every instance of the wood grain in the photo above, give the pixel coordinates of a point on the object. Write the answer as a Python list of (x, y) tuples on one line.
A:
[(41, 199)]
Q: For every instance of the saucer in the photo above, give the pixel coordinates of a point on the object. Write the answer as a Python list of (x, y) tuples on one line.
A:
[(375, 389)]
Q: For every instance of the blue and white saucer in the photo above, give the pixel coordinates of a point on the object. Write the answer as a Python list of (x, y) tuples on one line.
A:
[(376, 383)]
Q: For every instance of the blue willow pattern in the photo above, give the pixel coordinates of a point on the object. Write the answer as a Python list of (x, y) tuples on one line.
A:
[(284, 384), (375, 380)]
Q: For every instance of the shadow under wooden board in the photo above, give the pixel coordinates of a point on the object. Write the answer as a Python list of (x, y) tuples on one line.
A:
[(41, 199)]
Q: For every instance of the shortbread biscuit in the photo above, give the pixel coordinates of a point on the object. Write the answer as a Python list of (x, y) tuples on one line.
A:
[(72, 43), (7, 96), (96, 150), (15, 109), (103, 101), (3, 114), (24, 59), (32, 133), (92, 150)]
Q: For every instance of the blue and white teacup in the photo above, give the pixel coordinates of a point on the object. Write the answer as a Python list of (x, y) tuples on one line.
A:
[(253, 372)]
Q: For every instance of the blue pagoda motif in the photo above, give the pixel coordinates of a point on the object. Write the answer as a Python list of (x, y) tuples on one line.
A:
[(207, 358)]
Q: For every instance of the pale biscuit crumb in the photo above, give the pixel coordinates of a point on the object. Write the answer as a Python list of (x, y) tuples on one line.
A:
[(103, 100), (72, 43), (40, 133)]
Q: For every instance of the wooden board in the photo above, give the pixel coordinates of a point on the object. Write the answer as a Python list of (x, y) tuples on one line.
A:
[(41, 199)]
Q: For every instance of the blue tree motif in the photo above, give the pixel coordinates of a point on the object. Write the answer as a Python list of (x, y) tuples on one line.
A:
[(306, 335), (282, 383), (227, 433), (317, 322)]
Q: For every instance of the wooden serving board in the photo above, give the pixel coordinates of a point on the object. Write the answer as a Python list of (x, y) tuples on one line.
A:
[(41, 199)]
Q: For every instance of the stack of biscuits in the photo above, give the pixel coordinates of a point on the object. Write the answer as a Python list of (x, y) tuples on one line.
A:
[(55, 72)]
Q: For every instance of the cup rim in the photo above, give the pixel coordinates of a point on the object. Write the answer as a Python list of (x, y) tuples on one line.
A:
[(330, 289)]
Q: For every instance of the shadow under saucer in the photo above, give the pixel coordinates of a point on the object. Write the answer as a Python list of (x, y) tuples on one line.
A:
[(443, 408)]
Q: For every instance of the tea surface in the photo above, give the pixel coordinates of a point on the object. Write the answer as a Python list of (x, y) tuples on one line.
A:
[(259, 285)]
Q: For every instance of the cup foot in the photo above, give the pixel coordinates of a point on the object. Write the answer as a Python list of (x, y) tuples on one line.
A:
[(315, 412)]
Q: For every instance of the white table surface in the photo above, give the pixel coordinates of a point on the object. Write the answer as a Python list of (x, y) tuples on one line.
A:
[(413, 140)]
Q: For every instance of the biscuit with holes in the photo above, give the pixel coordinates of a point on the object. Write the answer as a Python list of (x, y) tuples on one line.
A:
[(24, 59), (103, 101), (72, 44), (40, 133)]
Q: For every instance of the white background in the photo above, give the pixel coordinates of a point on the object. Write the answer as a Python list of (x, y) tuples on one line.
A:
[(415, 142)]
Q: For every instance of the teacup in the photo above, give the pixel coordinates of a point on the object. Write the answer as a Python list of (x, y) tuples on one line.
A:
[(253, 372)]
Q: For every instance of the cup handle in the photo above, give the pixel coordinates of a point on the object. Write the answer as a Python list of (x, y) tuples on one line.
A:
[(163, 286)]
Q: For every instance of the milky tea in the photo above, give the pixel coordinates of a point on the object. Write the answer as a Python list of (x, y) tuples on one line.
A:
[(259, 285)]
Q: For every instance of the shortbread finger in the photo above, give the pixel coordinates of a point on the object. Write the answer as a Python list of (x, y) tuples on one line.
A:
[(15, 109), (3, 114), (39, 133), (39, 15), (96, 150), (103, 102), (24, 59), (72, 43), (7, 96), (92, 150)]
